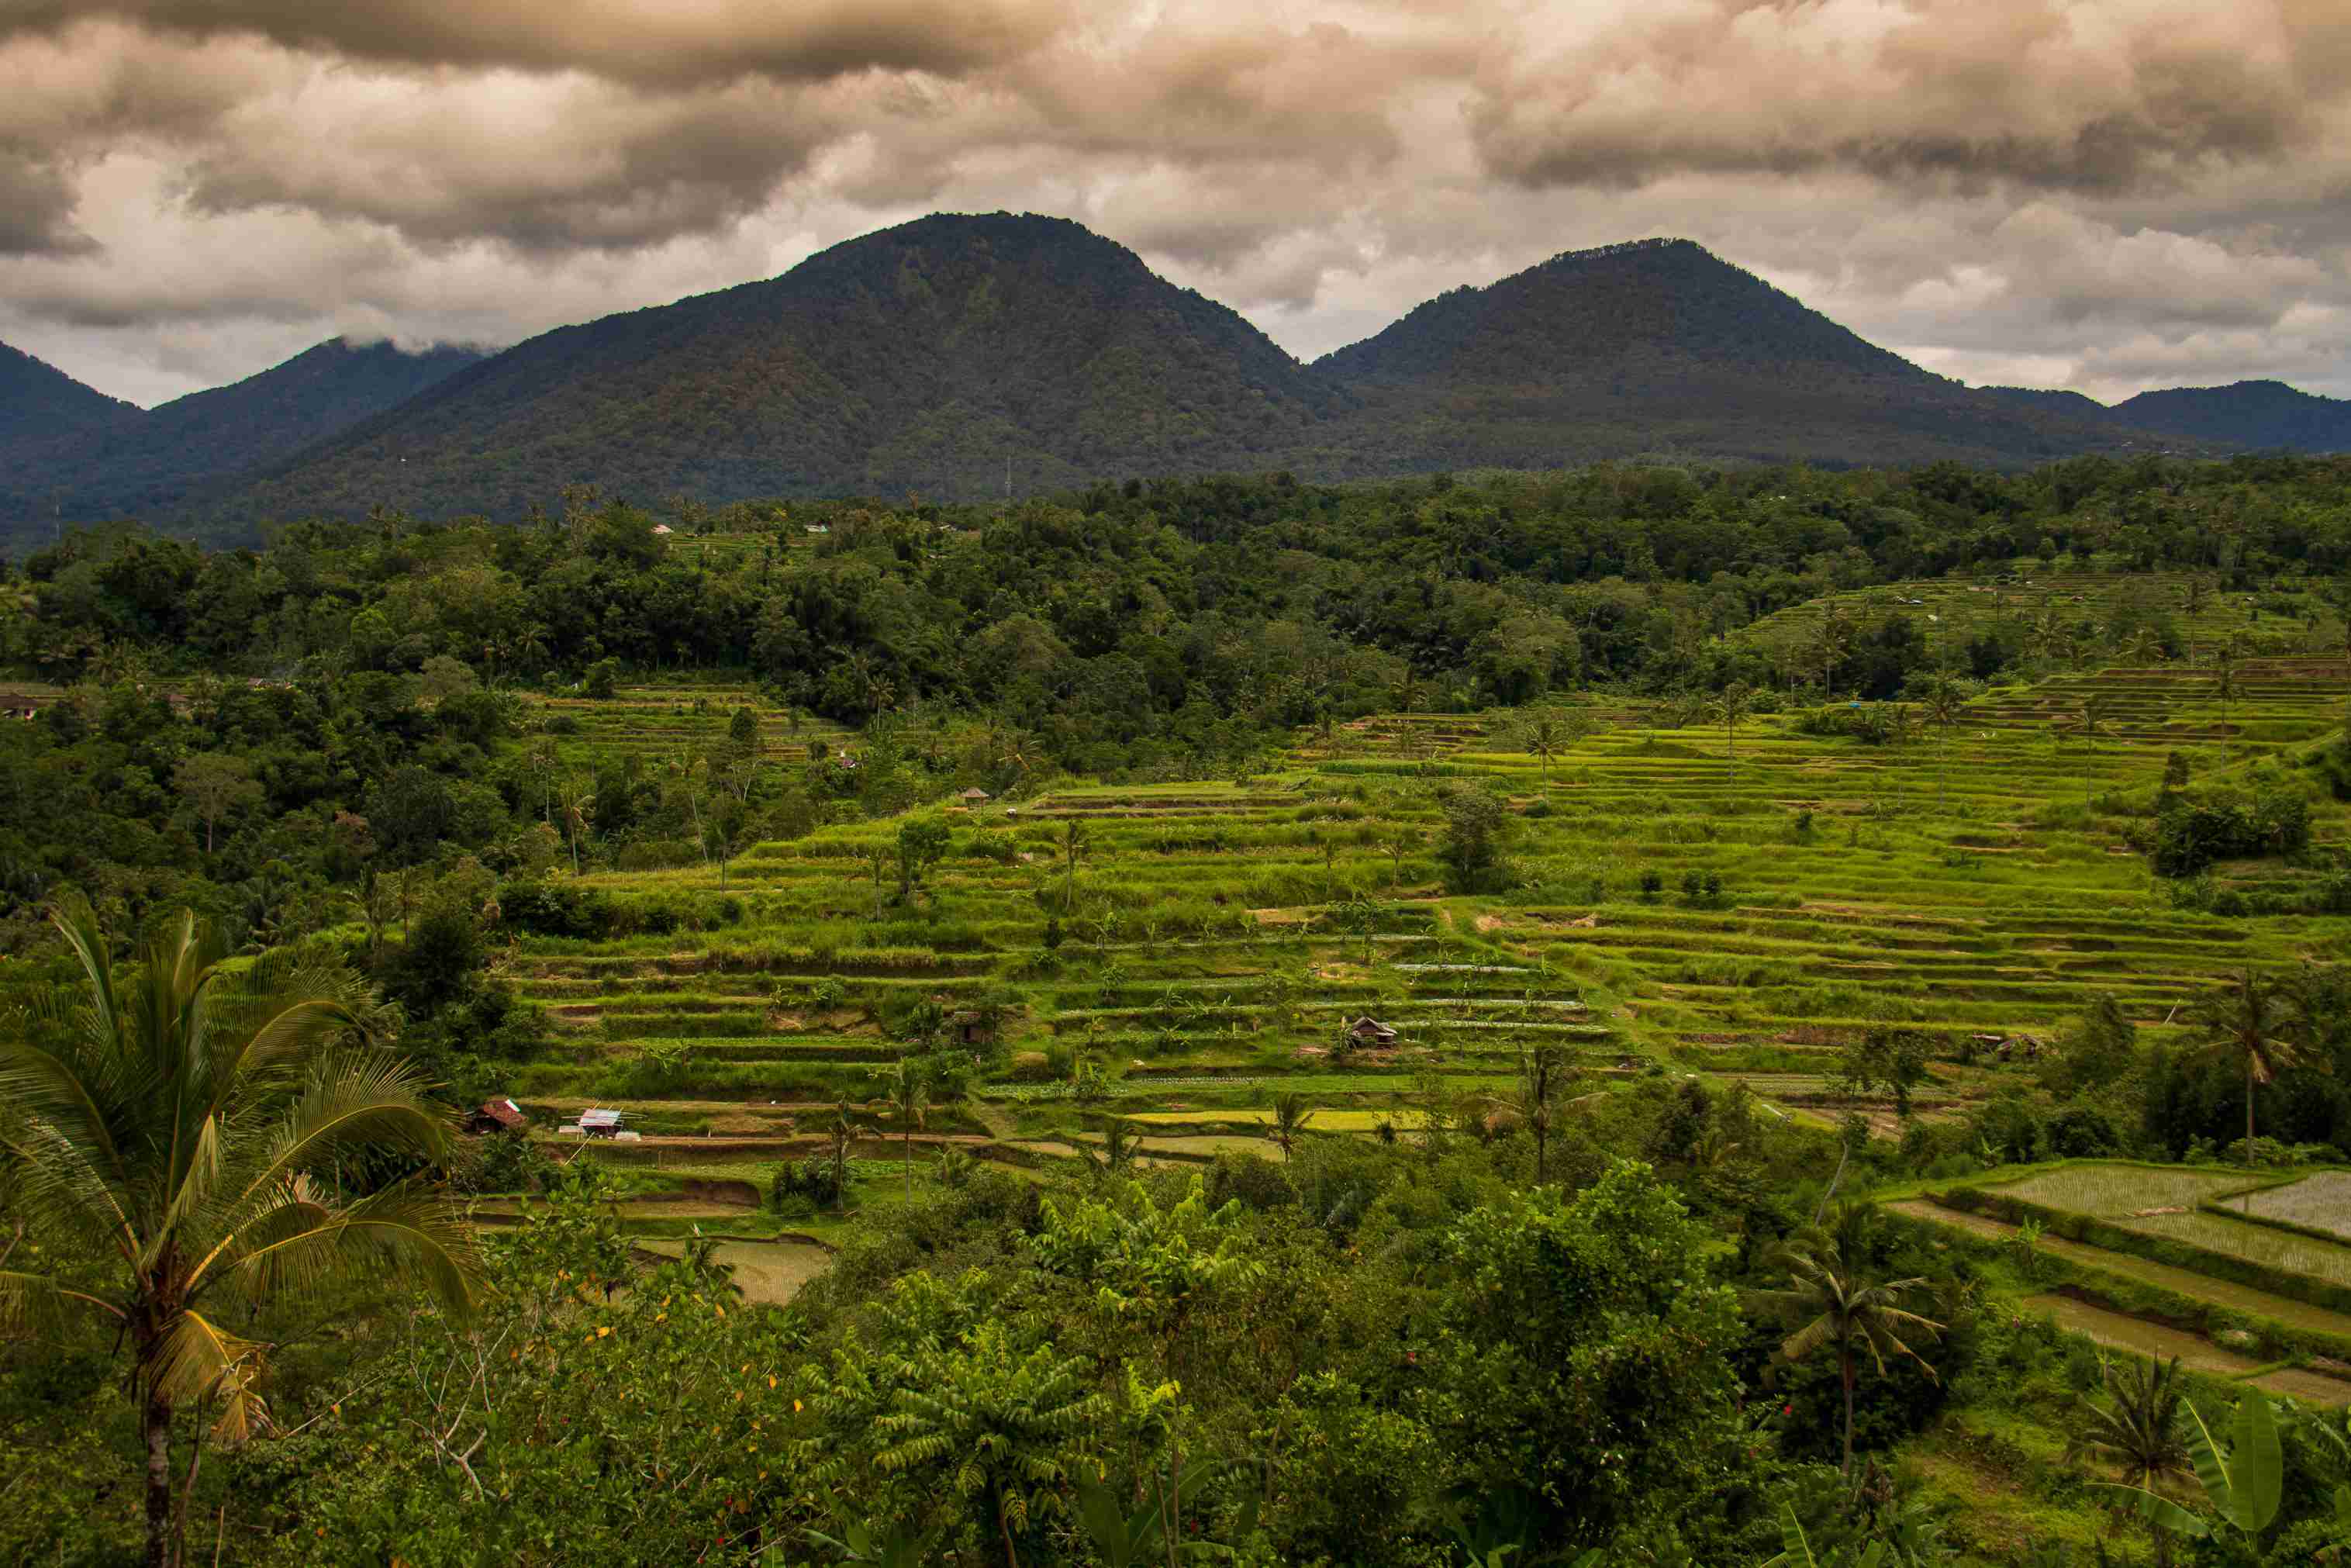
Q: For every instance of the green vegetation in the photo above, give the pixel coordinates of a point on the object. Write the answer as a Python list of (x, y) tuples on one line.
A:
[(1117, 1048)]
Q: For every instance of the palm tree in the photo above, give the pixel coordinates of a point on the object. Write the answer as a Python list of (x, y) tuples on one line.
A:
[(1835, 1307), (2257, 1021), (1291, 1115), (541, 761), (1406, 691), (1832, 640), (2050, 637), (2088, 722), (1398, 843), (1544, 737), (907, 1092), (170, 1121), (877, 865), (1121, 1146), (1731, 709), (2227, 685), (1074, 849), (1544, 1074), (577, 812), (2141, 1433), (837, 1134), (1942, 705)]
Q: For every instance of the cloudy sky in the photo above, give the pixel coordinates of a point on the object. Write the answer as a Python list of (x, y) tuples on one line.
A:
[(2104, 194)]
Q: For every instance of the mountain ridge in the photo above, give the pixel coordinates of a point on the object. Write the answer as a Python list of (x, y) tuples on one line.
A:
[(1001, 335), (957, 355), (154, 462), (39, 402)]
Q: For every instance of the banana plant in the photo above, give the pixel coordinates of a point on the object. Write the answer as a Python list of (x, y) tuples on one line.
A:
[(1796, 1551), (1124, 1540), (2244, 1482), (900, 1548)]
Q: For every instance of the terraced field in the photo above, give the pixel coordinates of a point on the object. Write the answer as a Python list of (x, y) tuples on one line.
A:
[(656, 724), (1741, 906), (2320, 1202), (2024, 592), (2229, 1295)]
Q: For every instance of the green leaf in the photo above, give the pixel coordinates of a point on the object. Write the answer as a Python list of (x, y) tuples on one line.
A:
[(1797, 1552), (2257, 1468), (2160, 1511), (1105, 1522)]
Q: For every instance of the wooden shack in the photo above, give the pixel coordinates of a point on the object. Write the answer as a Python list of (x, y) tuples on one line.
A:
[(497, 1116)]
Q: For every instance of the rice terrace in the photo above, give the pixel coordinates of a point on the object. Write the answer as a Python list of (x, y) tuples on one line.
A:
[(1251, 1041)]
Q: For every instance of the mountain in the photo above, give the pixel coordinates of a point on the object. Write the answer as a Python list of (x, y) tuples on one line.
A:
[(956, 354), (1660, 345), (150, 464), (2263, 415), (922, 357), (38, 402), (2070, 403)]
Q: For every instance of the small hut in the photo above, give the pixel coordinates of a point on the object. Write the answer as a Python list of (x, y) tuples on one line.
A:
[(1369, 1031), (497, 1116), (972, 1026), (19, 706), (600, 1123), (663, 530), (973, 796)]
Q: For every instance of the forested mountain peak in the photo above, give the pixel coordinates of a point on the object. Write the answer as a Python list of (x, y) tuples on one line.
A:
[(39, 401), (150, 465), (2052, 399), (2258, 414), (929, 357), (1646, 307)]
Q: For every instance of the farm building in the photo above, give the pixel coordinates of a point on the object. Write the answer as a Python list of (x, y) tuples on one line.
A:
[(19, 706), (497, 1116), (600, 1123), (972, 1027), (973, 796), (1372, 1032), (663, 530)]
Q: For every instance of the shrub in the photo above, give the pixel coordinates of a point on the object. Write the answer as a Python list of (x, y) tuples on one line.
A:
[(801, 1189), (2196, 828)]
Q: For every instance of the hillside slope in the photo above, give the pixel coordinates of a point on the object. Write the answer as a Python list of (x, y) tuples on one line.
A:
[(925, 358), (2263, 415), (1660, 345), (150, 465), (39, 402)]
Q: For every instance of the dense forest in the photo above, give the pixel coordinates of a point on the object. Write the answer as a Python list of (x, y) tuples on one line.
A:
[(1168, 629), (266, 812)]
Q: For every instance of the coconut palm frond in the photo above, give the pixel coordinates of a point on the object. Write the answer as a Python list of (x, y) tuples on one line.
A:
[(400, 1234), (197, 1360), (31, 1304), (54, 1186), (357, 1101), (52, 1091)]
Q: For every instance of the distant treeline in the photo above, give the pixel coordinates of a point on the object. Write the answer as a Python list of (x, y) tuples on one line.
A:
[(1097, 616)]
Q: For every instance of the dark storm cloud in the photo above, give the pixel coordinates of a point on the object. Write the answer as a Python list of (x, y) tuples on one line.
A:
[(36, 202), (2095, 98), (664, 43), (540, 165)]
